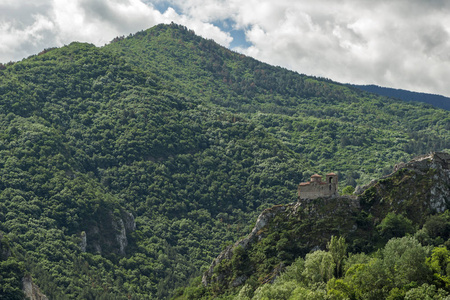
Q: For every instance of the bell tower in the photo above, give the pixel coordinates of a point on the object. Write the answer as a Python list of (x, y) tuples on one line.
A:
[(332, 182)]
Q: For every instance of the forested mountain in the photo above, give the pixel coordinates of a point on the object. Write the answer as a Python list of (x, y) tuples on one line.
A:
[(124, 170), (435, 100), (326, 122)]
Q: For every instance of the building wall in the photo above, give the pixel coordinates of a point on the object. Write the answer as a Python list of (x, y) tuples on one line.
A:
[(315, 189)]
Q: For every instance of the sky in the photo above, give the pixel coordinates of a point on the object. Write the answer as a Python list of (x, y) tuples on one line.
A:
[(393, 43)]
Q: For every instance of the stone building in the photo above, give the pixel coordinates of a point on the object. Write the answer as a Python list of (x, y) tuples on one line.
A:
[(317, 188)]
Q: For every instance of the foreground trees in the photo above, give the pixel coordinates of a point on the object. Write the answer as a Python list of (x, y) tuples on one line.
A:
[(403, 269)]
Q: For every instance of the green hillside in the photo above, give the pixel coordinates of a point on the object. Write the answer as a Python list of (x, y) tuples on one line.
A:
[(124, 170), (326, 122)]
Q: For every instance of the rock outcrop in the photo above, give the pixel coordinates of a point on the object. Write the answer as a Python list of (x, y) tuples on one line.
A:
[(83, 242), (108, 234), (289, 228), (121, 235), (416, 189), (262, 221), (31, 290)]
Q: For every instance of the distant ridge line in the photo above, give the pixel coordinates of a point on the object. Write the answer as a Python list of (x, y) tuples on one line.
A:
[(432, 99)]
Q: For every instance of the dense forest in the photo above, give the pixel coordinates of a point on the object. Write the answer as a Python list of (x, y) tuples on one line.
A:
[(124, 170)]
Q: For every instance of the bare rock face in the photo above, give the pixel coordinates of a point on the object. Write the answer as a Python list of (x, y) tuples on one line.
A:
[(121, 236), (83, 242), (417, 188), (440, 190), (128, 219), (108, 234), (31, 290)]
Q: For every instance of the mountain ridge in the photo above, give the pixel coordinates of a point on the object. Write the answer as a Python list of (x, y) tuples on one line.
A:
[(299, 96), (432, 99)]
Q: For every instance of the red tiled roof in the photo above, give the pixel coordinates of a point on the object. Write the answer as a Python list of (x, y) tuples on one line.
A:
[(316, 176)]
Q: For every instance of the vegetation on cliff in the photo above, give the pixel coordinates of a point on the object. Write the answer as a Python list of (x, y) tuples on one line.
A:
[(11, 272), (402, 269), (389, 248), (191, 139)]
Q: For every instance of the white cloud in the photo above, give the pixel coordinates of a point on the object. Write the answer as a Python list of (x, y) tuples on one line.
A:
[(98, 21), (201, 28), (402, 44), (15, 38), (59, 22)]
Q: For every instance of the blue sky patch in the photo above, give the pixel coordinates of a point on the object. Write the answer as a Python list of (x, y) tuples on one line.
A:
[(162, 6), (239, 39)]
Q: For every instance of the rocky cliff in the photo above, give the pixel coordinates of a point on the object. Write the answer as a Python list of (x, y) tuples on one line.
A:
[(282, 233), (32, 291), (108, 234), (416, 189)]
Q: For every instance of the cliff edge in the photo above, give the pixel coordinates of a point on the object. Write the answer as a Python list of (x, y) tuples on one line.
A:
[(415, 189)]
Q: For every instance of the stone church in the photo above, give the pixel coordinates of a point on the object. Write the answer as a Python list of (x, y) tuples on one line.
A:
[(317, 188)]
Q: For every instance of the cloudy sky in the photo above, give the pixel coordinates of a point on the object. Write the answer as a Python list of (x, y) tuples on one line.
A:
[(394, 43)]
